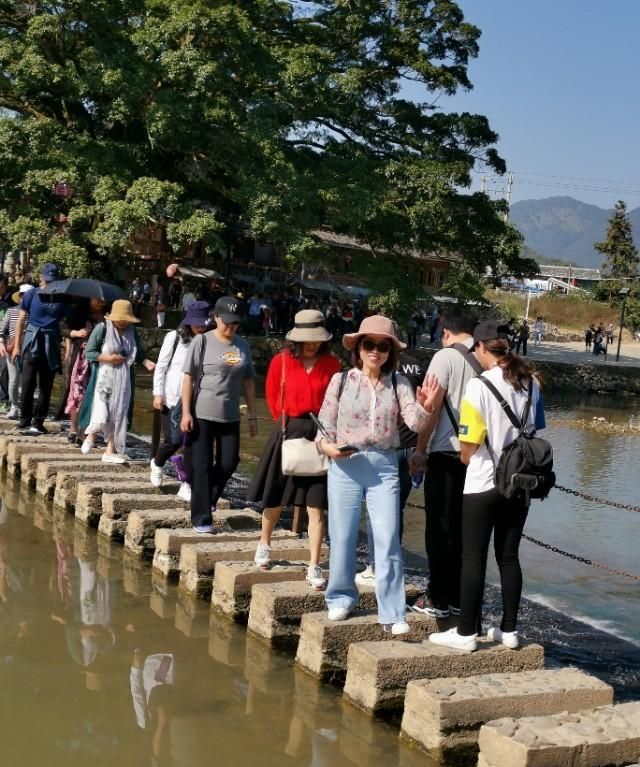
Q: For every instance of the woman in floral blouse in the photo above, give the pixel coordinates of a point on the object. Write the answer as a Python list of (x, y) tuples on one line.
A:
[(360, 416)]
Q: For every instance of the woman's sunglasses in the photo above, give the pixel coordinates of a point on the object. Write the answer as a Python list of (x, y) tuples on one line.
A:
[(384, 347)]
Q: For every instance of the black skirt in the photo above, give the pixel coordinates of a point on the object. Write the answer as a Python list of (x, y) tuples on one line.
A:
[(269, 485)]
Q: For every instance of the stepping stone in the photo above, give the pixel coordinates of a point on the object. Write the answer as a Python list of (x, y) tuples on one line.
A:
[(607, 736), (233, 582), (378, 672), (31, 462), (120, 505), (169, 543), (277, 608), (52, 474), (444, 716), (140, 531), (19, 446), (88, 506), (324, 644), (198, 560)]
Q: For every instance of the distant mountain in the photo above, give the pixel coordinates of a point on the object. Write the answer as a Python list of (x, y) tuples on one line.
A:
[(561, 228)]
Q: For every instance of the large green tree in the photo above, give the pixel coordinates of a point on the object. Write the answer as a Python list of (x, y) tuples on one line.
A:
[(216, 118), (620, 254)]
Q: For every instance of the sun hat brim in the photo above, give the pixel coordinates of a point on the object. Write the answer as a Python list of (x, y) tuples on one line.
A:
[(309, 335), (350, 340), (121, 317)]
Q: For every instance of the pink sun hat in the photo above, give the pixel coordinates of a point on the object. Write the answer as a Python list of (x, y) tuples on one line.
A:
[(377, 325)]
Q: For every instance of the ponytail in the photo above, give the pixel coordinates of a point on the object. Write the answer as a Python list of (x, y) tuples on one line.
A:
[(515, 370)]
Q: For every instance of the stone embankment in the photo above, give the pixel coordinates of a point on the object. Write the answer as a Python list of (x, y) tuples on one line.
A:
[(492, 708)]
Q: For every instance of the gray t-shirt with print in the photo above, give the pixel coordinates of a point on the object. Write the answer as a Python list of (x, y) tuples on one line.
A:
[(453, 373), (226, 366)]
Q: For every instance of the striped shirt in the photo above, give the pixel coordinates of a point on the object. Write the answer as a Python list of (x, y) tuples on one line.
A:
[(8, 324)]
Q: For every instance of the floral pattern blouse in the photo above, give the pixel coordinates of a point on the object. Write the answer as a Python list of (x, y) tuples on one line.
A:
[(366, 416)]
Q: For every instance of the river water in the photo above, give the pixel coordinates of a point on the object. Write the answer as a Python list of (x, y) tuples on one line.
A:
[(102, 665)]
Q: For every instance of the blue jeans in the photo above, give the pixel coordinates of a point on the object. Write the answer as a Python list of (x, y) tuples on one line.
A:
[(374, 475), (404, 453)]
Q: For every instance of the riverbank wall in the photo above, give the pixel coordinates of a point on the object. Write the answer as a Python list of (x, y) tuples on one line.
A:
[(555, 376)]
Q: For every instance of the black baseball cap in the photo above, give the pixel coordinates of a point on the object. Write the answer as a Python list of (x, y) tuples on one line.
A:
[(488, 330), (227, 309)]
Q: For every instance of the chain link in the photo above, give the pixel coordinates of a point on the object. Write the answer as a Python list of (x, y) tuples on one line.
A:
[(595, 499), (582, 560)]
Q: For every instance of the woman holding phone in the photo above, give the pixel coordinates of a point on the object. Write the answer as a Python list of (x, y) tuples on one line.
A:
[(360, 434)]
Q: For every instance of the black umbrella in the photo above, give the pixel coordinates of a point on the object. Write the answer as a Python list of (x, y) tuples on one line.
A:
[(71, 290)]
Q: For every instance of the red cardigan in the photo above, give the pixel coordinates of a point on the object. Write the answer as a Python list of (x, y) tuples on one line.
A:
[(304, 392)]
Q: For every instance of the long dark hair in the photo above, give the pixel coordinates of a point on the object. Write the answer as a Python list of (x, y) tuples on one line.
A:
[(295, 348), (514, 369), (389, 365)]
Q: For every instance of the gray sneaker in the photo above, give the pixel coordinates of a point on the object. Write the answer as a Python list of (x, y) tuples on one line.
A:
[(315, 578), (263, 555)]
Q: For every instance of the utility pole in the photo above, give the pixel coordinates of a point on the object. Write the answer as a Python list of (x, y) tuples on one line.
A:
[(499, 187)]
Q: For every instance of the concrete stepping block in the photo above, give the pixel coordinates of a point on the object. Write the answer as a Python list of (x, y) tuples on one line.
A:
[(378, 672), (607, 736), (31, 462), (50, 475), (88, 505), (169, 543), (19, 446), (233, 582), (227, 643), (277, 608), (120, 505), (198, 560), (140, 531), (324, 644), (444, 716)]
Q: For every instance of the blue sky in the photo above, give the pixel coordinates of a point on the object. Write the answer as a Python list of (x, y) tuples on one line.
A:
[(559, 81)]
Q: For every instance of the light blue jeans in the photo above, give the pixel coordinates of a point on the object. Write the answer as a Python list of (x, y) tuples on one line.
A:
[(372, 474)]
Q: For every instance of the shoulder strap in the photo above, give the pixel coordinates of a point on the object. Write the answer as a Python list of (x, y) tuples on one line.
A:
[(283, 417), (394, 383), (470, 357), (198, 384), (506, 407), (103, 333), (176, 341), (343, 381)]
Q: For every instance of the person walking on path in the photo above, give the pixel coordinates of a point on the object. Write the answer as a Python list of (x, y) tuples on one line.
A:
[(453, 367), (538, 330), (37, 344), (360, 435), (79, 365), (115, 347), (588, 337), (296, 383), (485, 431), (217, 370), (7, 344), (167, 392), (523, 338)]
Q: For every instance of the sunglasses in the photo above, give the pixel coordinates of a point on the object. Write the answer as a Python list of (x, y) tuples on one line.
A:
[(384, 347)]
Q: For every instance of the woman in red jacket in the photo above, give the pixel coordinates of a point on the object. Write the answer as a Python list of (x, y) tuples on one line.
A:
[(308, 367)]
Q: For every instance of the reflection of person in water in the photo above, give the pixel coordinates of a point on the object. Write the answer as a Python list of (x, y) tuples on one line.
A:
[(14, 624), (151, 680)]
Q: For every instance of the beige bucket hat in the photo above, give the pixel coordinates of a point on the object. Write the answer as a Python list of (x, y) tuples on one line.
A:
[(377, 325), (121, 311), (308, 326)]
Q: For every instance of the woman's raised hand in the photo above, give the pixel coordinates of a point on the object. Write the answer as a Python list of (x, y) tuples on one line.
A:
[(428, 392)]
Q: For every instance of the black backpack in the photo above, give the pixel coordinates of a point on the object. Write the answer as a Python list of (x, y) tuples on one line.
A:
[(525, 467)]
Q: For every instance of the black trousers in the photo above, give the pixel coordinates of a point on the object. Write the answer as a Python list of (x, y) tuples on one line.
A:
[(522, 342), (167, 448), (444, 482), (482, 514), (35, 371), (209, 478)]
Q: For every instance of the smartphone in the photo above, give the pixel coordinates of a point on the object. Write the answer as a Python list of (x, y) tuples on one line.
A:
[(348, 449)]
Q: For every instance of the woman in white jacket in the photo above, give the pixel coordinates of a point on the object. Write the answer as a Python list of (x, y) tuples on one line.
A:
[(167, 388)]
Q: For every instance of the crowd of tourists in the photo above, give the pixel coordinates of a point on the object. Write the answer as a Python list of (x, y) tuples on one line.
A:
[(368, 433)]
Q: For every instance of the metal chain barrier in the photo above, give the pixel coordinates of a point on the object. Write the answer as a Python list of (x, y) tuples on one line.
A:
[(595, 499), (582, 560)]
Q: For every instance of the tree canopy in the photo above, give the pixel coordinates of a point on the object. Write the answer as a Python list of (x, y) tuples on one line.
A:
[(216, 118), (620, 254)]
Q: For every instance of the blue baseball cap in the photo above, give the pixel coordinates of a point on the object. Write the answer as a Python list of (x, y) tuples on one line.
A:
[(50, 272)]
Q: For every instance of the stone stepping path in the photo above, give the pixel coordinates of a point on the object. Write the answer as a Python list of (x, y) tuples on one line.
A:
[(608, 736), (444, 716), (40, 462), (378, 672), (88, 505)]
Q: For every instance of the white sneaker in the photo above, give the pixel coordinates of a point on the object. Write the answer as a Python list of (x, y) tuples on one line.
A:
[(87, 446), (509, 639), (454, 640), (396, 629), (184, 493), (206, 529), (157, 475), (114, 458), (263, 555), (13, 413), (367, 577), (338, 614), (315, 578)]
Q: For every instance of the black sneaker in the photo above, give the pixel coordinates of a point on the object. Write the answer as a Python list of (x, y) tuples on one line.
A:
[(425, 606), (22, 424), (39, 428)]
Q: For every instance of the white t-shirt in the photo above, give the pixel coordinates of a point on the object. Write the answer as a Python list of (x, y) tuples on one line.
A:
[(482, 416)]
